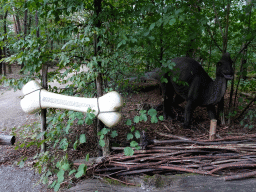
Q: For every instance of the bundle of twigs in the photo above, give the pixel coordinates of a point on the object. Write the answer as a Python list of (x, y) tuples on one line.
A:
[(226, 157)]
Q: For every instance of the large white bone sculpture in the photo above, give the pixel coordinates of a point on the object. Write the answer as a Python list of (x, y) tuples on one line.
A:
[(105, 108)]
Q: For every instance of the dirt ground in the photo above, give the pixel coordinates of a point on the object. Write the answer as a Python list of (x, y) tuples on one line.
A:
[(14, 179)]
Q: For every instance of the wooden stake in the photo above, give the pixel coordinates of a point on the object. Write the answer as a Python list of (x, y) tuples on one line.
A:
[(212, 133)]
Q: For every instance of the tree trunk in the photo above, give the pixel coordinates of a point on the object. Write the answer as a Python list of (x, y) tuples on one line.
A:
[(45, 86), (5, 39), (29, 24), (18, 24), (25, 30), (99, 83)]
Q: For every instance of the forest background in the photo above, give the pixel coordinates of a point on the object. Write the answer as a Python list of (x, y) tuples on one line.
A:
[(117, 40)]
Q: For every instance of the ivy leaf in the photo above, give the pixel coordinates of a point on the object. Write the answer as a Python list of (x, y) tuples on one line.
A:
[(134, 144), (102, 143), (114, 134), (82, 138), (161, 118), (154, 119), (136, 119), (129, 136), (137, 134), (128, 151), (152, 112), (104, 131), (128, 122)]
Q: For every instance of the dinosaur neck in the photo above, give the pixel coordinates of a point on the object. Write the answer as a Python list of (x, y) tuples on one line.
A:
[(216, 90)]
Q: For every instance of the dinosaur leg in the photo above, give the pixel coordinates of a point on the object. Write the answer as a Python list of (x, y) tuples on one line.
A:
[(192, 101), (168, 101), (178, 100), (190, 106), (211, 111), (220, 112)]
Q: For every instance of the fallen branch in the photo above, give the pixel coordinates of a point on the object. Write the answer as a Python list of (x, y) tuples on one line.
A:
[(239, 176), (233, 166)]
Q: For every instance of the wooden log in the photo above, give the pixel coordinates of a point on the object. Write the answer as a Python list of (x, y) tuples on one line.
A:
[(7, 140), (212, 133)]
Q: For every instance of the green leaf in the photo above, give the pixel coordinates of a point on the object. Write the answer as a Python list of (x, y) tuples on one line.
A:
[(114, 134), (60, 175), (161, 118), (128, 122), (63, 144), (134, 144), (154, 119), (80, 171), (71, 172), (82, 139), (87, 157), (40, 135), (21, 164), (104, 131), (102, 143), (137, 134), (152, 112), (152, 26), (164, 80), (128, 151), (136, 119), (143, 116), (57, 187), (75, 144), (129, 136), (67, 128), (172, 21), (65, 166)]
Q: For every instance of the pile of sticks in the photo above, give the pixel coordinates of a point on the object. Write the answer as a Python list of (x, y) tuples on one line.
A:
[(231, 157)]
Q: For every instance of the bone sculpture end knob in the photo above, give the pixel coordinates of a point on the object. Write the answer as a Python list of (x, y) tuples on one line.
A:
[(105, 108)]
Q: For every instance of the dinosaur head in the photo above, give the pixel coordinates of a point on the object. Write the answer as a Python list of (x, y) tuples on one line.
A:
[(224, 67)]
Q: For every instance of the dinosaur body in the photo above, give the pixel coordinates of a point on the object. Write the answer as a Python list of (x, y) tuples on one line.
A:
[(195, 86)]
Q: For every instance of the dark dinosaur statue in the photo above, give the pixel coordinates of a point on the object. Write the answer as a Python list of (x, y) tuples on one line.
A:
[(195, 86)]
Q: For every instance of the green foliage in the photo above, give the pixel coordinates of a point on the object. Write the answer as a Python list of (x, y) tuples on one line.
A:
[(248, 85), (249, 120), (135, 133)]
